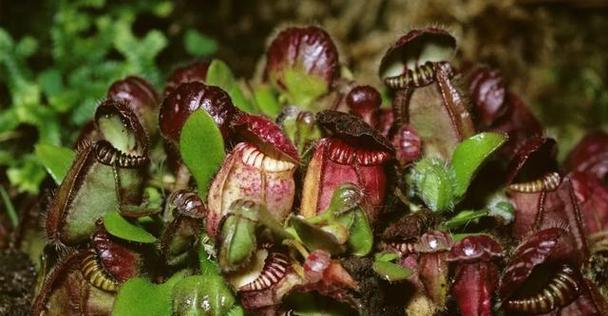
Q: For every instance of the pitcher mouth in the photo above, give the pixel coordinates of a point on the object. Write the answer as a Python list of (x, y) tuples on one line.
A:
[(346, 154), (276, 266), (252, 156), (119, 125), (549, 182), (419, 76), (412, 60)]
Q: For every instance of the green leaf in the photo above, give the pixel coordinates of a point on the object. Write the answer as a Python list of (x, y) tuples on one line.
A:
[(391, 271), (139, 53), (26, 47), (433, 184), (202, 149), (118, 226), (8, 122), (219, 74), (6, 41), (266, 100), (153, 198), (56, 159), (361, 239), (470, 155), (198, 44), (303, 88), (51, 82), (202, 295), (314, 237), (386, 256), (26, 174), (463, 218), (140, 297)]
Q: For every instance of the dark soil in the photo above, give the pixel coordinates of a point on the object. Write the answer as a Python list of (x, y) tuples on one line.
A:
[(17, 279)]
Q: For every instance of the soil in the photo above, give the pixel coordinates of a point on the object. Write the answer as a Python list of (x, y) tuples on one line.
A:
[(17, 279)]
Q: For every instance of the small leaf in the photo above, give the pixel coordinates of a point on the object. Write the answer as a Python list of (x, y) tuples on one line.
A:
[(57, 160), (26, 174), (386, 256), (118, 226), (470, 155), (266, 100), (361, 239), (202, 148), (433, 184), (51, 82), (26, 47), (463, 218), (198, 44), (163, 9), (153, 197), (304, 88), (140, 297), (219, 74), (391, 271), (314, 237), (202, 295)]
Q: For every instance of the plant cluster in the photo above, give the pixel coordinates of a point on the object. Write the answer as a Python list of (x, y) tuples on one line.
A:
[(298, 193), (54, 78)]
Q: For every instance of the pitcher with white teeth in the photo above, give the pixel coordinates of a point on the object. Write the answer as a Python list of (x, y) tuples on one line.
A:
[(259, 169)]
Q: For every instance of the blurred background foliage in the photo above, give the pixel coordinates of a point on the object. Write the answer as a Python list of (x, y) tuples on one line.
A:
[(57, 58)]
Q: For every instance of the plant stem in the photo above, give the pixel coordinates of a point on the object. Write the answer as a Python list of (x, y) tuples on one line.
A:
[(10, 209)]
